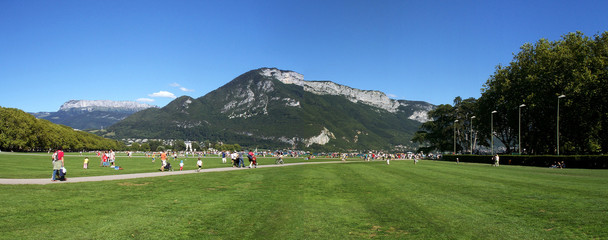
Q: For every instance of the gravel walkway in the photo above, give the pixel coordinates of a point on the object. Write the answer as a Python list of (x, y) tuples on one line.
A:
[(44, 181)]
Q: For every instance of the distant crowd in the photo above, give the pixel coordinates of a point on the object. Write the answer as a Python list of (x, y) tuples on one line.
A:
[(237, 158)]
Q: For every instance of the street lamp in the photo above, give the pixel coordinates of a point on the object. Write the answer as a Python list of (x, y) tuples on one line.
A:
[(519, 147), (472, 134), (560, 96), (455, 121), (492, 130)]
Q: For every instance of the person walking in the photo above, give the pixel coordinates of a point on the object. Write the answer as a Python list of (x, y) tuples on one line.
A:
[(233, 158), (250, 157), (86, 163), (241, 162), (163, 156), (57, 163), (199, 163)]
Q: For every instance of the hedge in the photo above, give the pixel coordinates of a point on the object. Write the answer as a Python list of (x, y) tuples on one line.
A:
[(574, 161)]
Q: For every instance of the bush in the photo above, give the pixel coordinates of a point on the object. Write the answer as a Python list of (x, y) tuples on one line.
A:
[(574, 161)]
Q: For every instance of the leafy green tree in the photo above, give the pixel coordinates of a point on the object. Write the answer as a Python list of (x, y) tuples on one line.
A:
[(20, 131), (145, 147), (438, 134), (196, 146), (154, 144), (135, 147), (179, 145), (574, 66)]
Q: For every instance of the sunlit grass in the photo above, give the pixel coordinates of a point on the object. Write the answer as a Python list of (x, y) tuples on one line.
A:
[(431, 200)]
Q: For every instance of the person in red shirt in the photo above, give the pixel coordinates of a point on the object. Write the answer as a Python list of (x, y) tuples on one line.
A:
[(57, 164), (104, 159), (60, 156)]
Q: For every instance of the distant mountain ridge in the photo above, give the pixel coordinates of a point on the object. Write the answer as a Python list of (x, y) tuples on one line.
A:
[(269, 107), (92, 114), (103, 105)]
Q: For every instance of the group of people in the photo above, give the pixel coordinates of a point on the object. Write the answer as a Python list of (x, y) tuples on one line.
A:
[(107, 158), (237, 159), (166, 166), (59, 170), (558, 164)]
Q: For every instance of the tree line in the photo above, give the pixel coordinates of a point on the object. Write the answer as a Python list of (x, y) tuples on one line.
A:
[(180, 145), (20, 131), (524, 96)]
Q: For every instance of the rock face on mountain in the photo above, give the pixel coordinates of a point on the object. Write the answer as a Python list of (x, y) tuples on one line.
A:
[(374, 98), (92, 114), (270, 108)]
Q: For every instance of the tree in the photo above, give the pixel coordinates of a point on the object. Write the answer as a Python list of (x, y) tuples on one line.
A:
[(155, 144), (145, 147), (196, 146), (135, 147), (574, 66), (179, 145), (20, 131), (439, 133)]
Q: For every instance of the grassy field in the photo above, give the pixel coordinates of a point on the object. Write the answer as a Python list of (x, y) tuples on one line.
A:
[(38, 165), (360, 200)]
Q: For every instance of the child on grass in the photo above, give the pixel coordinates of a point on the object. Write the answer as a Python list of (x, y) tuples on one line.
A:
[(199, 163), (181, 165)]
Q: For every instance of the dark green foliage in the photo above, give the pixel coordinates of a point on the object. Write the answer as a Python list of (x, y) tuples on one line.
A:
[(450, 123), (575, 66), (573, 161), (253, 110), (20, 131)]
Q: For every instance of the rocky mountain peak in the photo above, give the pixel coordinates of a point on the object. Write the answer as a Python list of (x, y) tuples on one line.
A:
[(373, 98)]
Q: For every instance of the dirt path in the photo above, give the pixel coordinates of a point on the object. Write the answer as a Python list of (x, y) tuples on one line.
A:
[(43, 181)]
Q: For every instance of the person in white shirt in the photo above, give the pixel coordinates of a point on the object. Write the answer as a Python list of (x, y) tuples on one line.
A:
[(199, 163)]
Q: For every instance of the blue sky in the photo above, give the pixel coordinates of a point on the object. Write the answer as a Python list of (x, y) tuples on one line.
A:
[(55, 51)]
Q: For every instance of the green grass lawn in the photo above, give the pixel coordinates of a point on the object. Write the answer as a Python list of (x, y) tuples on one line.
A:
[(360, 200), (39, 165)]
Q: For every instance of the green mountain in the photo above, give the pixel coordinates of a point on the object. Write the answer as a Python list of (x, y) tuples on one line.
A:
[(270, 108)]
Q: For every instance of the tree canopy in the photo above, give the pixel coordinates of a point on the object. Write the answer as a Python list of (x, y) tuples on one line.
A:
[(20, 131), (575, 66)]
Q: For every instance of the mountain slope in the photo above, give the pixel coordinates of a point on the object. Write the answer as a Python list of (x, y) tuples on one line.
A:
[(274, 108)]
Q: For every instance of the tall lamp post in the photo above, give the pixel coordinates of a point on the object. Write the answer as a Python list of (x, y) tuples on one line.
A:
[(455, 121), (519, 136), (473, 117), (492, 130), (560, 96)]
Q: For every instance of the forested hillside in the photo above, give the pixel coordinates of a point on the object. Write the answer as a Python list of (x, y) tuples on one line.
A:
[(20, 131)]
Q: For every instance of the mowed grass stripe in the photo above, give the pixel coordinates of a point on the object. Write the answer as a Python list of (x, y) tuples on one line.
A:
[(541, 198)]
